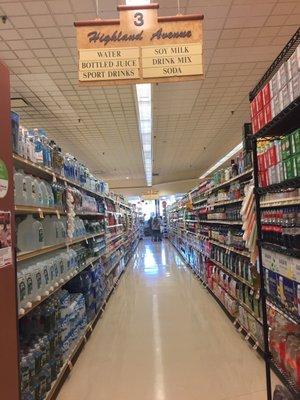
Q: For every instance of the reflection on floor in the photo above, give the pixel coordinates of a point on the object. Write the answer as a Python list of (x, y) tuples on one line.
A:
[(163, 337)]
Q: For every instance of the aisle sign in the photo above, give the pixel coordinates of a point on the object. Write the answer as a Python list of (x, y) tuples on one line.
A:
[(140, 47)]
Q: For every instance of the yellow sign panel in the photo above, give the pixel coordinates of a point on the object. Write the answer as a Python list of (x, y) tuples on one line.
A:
[(171, 50), (140, 47), (109, 54), (92, 75), (172, 71)]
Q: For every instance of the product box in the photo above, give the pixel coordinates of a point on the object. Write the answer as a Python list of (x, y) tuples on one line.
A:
[(274, 85), (294, 85), (266, 93), (253, 108), (271, 283), (285, 147), (285, 97), (295, 263), (296, 165), (282, 75), (263, 178), (272, 155), (259, 101), (293, 63), (287, 290), (288, 169), (295, 141), (255, 126), (268, 259), (261, 159), (279, 172), (261, 119), (275, 105), (268, 112), (272, 175)]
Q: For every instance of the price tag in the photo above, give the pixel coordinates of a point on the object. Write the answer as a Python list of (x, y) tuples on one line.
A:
[(54, 178), (255, 346), (94, 239), (247, 336), (84, 339), (86, 241), (57, 214), (240, 329), (41, 214), (70, 365), (251, 292), (235, 322)]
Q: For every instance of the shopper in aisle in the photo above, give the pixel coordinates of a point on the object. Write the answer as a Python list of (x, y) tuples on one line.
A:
[(155, 226)]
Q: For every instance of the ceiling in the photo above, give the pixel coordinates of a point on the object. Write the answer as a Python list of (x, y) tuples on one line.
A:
[(194, 123)]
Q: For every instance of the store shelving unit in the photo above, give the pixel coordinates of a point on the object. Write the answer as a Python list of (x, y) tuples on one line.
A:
[(119, 233), (281, 125)]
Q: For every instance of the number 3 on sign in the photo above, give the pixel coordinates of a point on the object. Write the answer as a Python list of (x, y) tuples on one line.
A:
[(138, 19)]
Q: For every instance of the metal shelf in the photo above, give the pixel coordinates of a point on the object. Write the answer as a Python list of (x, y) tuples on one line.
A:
[(281, 58), (72, 275), (283, 123), (280, 249), (224, 203), (286, 380), (281, 309), (235, 178), (24, 209), (49, 249), (280, 202), (278, 187), (222, 222)]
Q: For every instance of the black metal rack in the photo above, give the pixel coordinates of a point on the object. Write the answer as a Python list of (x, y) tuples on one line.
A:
[(282, 124)]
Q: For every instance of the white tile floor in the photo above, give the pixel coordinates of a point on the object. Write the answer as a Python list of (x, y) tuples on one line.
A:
[(163, 337)]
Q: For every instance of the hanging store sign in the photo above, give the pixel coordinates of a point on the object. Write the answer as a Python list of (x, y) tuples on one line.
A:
[(140, 47)]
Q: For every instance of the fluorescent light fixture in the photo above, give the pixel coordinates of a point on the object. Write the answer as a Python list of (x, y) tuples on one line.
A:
[(143, 92), (235, 150)]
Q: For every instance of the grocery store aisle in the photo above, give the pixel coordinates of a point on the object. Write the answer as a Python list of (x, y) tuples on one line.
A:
[(163, 337)]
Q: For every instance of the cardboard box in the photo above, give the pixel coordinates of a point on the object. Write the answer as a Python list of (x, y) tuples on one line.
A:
[(295, 263), (259, 101), (294, 85), (266, 92), (277, 144), (293, 63), (285, 147), (261, 119), (271, 283), (272, 155), (279, 172), (275, 105), (287, 290), (296, 165), (261, 162), (255, 126), (268, 112), (285, 97), (283, 75), (295, 141), (263, 179), (274, 85), (289, 168), (253, 108)]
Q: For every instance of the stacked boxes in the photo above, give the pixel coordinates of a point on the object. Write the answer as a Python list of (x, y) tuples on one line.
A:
[(279, 160), (278, 93)]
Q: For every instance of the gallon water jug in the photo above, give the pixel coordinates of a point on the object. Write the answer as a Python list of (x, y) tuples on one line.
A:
[(30, 190), (50, 195), (44, 193), (50, 230), (21, 291), (37, 192), (30, 234), (38, 282), (20, 188)]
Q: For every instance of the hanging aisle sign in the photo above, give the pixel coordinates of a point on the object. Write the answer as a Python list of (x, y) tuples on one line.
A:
[(140, 47)]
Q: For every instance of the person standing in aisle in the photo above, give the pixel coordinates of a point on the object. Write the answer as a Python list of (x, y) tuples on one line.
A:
[(156, 228)]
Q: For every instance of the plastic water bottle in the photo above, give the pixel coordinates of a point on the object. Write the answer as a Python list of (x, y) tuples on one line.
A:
[(20, 188)]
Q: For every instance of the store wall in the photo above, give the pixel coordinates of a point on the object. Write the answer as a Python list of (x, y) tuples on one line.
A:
[(164, 189), (9, 382)]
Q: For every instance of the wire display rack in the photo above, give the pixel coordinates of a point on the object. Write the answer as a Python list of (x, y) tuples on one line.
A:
[(282, 124)]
